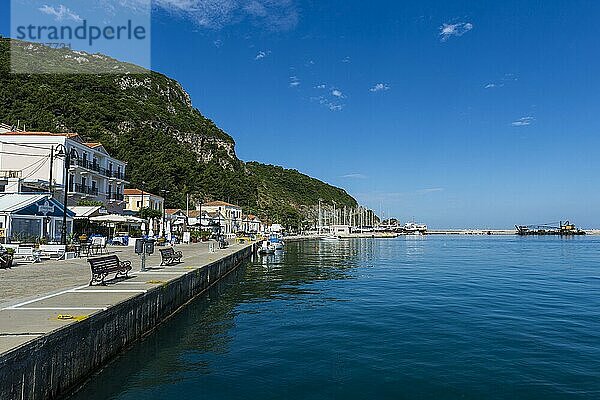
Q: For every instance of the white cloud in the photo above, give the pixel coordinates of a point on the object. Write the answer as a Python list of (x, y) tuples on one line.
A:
[(379, 87), (262, 54), (490, 86), (60, 13), (354, 176), (294, 81), (430, 190), (337, 93), (457, 29), (218, 43), (215, 14), (346, 60), (321, 86), (524, 121)]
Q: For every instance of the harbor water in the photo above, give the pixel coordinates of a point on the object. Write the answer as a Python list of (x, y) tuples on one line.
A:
[(444, 317)]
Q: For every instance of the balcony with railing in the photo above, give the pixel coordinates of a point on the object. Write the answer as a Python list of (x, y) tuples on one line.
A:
[(95, 166), (83, 189), (115, 196)]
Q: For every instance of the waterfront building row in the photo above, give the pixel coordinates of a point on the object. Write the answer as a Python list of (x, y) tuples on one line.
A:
[(49, 164)]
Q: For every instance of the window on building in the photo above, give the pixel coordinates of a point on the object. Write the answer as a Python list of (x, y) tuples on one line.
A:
[(138, 204), (26, 228), (58, 228)]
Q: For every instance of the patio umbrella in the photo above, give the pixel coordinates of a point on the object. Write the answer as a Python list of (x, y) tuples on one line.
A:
[(111, 218), (117, 219)]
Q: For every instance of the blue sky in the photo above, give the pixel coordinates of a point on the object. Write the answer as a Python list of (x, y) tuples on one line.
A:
[(459, 114)]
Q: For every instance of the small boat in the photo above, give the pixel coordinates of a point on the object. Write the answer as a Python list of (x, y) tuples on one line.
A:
[(266, 248), (275, 242), (330, 238), (412, 228)]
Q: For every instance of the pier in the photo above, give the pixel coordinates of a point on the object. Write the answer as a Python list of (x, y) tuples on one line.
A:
[(55, 330)]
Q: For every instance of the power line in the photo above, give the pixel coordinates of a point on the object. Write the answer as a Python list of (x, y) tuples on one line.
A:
[(23, 154), (31, 146), (40, 166)]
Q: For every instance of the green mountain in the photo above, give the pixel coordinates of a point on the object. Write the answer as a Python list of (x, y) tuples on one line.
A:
[(286, 193), (147, 120)]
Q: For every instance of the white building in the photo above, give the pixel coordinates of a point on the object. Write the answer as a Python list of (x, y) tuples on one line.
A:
[(232, 216), (93, 174), (252, 224)]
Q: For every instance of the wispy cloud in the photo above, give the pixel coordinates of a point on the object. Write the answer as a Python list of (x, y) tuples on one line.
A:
[(380, 87), (332, 105), (457, 29), (218, 43), (321, 86), (61, 13), (507, 78), (262, 54), (294, 81), (214, 14), (346, 60), (354, 176), (523, 121)]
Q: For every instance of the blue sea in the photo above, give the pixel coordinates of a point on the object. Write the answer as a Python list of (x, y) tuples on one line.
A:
[(432, 317)]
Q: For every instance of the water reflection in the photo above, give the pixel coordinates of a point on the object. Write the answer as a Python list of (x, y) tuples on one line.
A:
[(186, 343)]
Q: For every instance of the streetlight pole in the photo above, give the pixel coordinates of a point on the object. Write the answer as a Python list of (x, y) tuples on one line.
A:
[(142, 204), (164, 221), (64, 153), (51, 170)]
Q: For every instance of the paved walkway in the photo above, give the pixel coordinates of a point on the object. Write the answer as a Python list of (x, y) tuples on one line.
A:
[(32, 296)]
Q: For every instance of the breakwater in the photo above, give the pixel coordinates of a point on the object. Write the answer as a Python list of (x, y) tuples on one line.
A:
[(54, 364)]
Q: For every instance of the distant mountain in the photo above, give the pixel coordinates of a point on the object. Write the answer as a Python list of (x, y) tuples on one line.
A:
[(148, 120)]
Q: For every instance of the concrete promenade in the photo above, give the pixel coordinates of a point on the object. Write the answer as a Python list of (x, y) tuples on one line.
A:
[(33, 296)]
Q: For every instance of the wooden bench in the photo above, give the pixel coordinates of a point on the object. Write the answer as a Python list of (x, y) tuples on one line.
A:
[(103, 266), (170, 256)]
